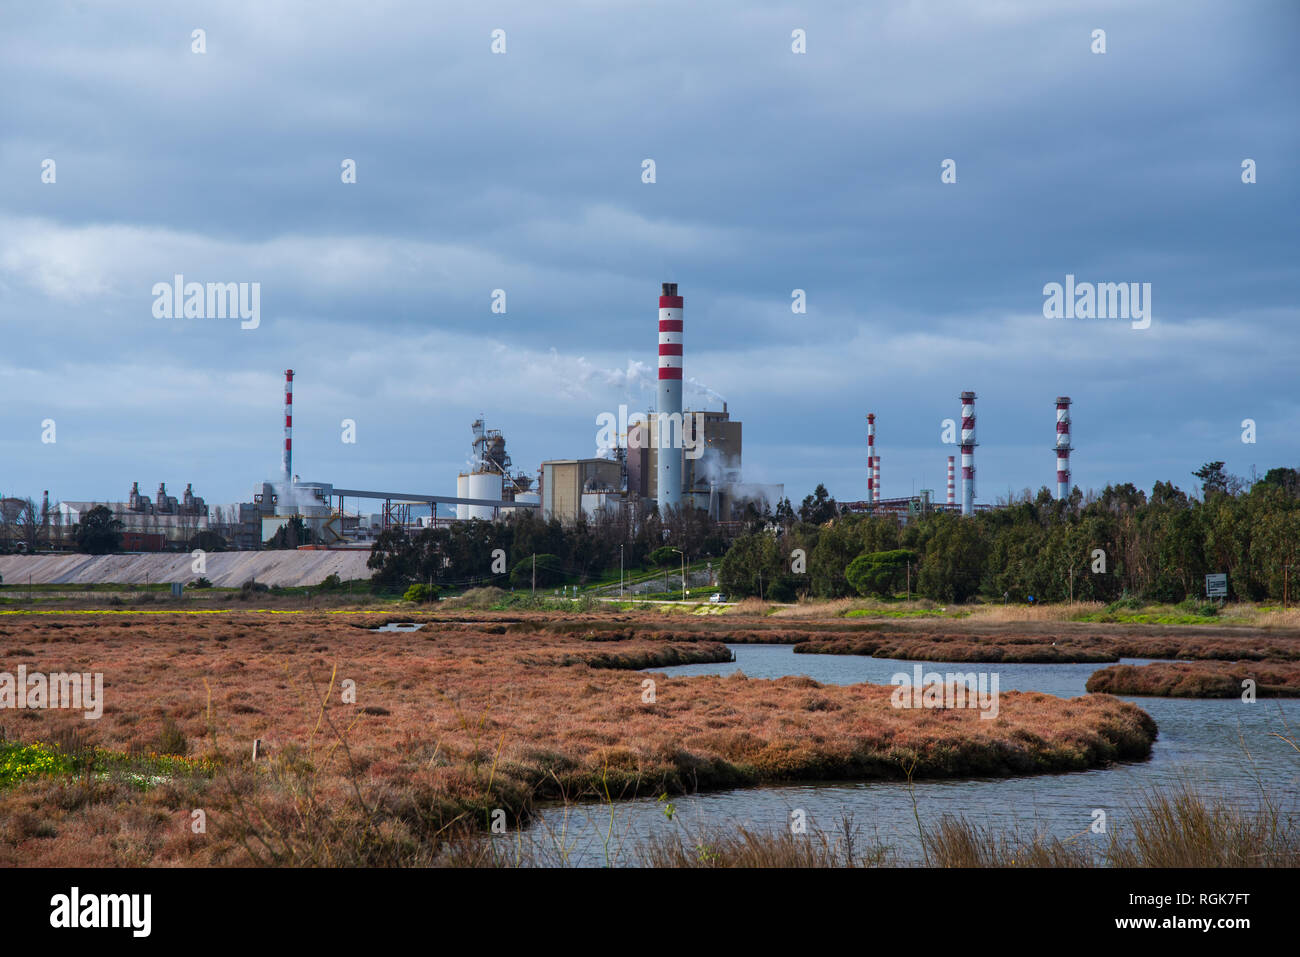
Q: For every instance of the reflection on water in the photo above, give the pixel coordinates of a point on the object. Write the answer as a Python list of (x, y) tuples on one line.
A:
[(1222, 747)]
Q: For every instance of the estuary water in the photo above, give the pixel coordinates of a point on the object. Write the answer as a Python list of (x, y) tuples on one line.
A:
[(1222, 747)]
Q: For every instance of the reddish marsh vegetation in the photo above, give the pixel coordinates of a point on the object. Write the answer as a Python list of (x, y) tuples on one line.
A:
[(1201, 679), (928, 642), (449, 723)]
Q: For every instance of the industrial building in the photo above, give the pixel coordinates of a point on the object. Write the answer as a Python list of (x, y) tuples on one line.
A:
[(148, 524), (490, 476), (666, 458), (587, 487)]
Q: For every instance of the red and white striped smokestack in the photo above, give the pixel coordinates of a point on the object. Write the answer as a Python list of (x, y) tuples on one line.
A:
[(1063, 447), (871, 456), (952, 482), (968, 444), (670, 425), (876, 474), (286, 461)]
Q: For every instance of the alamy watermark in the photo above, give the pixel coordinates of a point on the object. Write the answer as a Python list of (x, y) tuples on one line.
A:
[(674, 430), (1103, 300), (179, 299), (79, 691), (933, 690)]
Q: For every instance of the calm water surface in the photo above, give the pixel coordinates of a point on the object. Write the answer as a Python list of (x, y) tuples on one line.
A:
[(1220, 746)]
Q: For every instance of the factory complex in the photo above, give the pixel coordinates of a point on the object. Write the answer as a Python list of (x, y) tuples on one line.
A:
[(662, 460)]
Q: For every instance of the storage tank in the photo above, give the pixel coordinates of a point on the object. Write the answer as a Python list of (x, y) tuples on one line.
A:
[(484, 485), (462, 491)]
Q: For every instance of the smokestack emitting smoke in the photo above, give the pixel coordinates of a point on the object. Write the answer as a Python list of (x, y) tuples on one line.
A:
[(1063, 447), (286, 461), (952, 482), (871, 456), (968, 444), (669, 472)]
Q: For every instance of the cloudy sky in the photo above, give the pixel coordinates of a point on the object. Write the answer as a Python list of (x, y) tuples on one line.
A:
[(522, 171)]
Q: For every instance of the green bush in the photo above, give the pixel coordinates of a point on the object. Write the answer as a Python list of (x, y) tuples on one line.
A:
[(200, 583), (421, 593)]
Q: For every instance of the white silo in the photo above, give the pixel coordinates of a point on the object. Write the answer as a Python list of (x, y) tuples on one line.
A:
[(462, 491), (484, 485)]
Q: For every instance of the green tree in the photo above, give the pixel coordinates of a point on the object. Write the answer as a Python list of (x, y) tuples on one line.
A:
[(99, 533), (954, 560), (1213, 479), (291, 534), (754, 566), (818, 507), (208, 541), (550, 572), (880, 573)]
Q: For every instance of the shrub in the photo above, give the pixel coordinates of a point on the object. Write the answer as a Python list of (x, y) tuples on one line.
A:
[(172, 740), (421, 593), (200, 583)]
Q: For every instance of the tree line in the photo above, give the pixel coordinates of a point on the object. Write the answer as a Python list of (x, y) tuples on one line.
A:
[(504, 553), (1123, 542)]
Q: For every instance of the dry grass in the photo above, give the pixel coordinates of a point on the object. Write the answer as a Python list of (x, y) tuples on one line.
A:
[(451, 722), (844, 846), (818, 608), (750, 606), (1179, 829), (1273, 618), (1065, 611)]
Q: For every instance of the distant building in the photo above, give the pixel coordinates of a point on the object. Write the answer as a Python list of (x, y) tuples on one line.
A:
[(148, 524)]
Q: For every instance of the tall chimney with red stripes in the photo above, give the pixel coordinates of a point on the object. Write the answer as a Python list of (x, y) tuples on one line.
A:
[(669, 425), (952, 484), (871, 456), (968, 444), (1063, 447), (286, 461)]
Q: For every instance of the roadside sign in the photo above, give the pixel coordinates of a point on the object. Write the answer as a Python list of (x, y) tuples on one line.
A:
[(1216, 586)]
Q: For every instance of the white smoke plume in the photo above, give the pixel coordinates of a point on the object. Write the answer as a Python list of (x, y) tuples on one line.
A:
[(699, 388)]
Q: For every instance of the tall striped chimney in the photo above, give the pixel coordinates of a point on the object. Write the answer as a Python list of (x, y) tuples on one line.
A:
[(286, 461), (952, 481), (1063, 447), (871, 456), (968, 444), (670, 425)]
